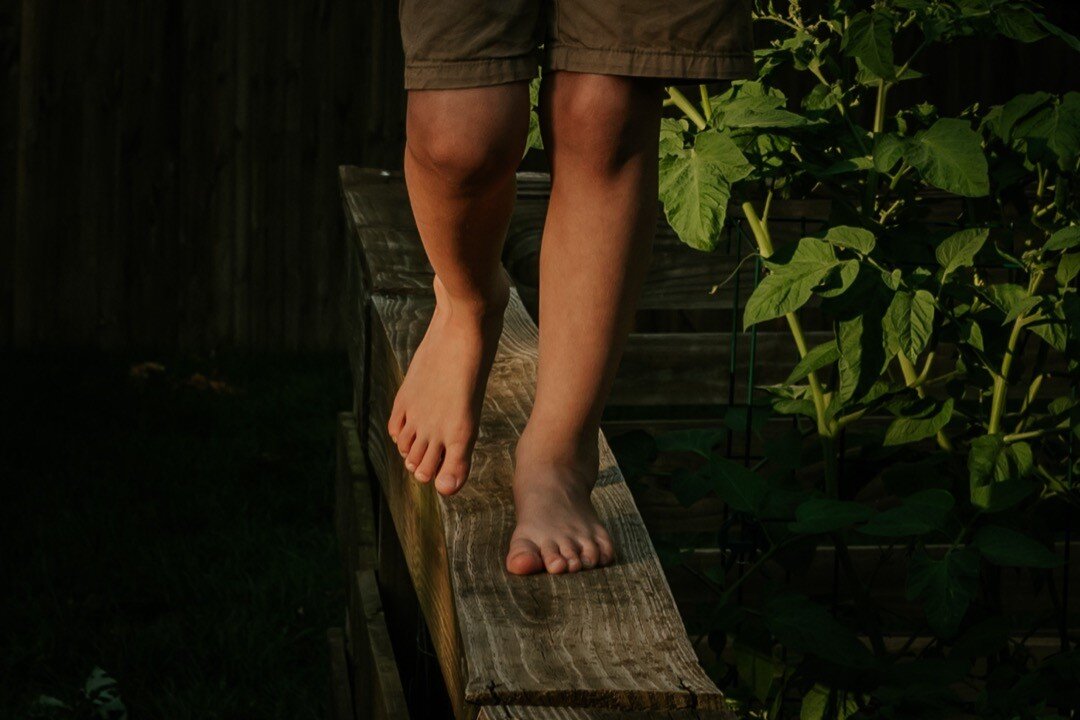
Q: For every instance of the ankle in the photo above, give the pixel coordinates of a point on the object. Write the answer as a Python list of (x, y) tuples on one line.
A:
[(554, 441), (480, 301)]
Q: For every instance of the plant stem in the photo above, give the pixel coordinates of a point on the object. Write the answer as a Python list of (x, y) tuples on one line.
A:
[(687, 107), (706, 103), (872, 176), (1031, 434), (765, 246), (912, 380), (764, 558), (926, 368), (1033, 390), (1001, 378)]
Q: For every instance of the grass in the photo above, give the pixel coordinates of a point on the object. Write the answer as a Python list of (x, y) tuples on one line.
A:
[(176, 535)]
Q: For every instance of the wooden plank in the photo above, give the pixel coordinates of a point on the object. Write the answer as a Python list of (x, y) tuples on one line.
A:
[(608, 637), (354, 514), (378, 692), (341, 703)]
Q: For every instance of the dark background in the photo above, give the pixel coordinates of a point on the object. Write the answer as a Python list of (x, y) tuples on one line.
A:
[(168, 193), (167, 167)]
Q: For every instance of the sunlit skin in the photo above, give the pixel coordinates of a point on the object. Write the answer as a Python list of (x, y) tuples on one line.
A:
[(600, 134)]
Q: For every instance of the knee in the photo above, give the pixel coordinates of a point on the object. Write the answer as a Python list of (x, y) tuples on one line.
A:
[(464, 155), (605, 120)]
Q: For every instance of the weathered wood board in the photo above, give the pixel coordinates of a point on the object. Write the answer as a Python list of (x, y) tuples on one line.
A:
[(606, 638), (354, 515), (378, 693)]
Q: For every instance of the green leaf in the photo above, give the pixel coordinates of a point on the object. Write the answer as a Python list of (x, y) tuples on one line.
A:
[(824, 354), (1052, 135), (959, 249), (869, 38), (949, 155), (984, 459), (807, 627), (918, 514), (1054, 327), (945, 586), (757, 670), (996, 472), (838, 281), (904, 430), (695, 187), (1017, 22), (1002, 122), (844, 236), (1003, 546), (1064, 239), (741, 488), (1007, 297), (862, 354), (758, 111), (909, 322), (534, 139), (821, 703), (822, 515), (1057, 32), (843, 167), (791, 283), (971, 334), (1068, 268), (672, 136), (888, 149)]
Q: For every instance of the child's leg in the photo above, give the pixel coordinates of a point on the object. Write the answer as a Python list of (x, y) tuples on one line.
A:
[(462, 151), (600, 133)]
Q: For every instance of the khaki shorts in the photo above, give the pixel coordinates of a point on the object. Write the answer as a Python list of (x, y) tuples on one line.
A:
[(470, 43)]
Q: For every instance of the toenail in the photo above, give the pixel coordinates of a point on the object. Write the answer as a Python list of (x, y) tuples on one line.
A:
[(587, 562)]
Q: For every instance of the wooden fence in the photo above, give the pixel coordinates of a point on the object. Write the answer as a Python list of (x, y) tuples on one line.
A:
[(168, 168), (173, 167)]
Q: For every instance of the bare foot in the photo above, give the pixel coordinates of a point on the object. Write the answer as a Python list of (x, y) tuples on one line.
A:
[(437, 409), (557, 527)]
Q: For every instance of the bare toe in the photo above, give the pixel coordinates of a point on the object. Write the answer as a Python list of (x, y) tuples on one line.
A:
[(416, 454), (554, 562), (405, 439), (590, 553), (396, 422), (607, 548), (427, 467), (454, 469), (524, 558), (570, 550)]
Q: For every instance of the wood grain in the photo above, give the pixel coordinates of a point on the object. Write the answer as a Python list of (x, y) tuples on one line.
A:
[(606, 638), (609, 637)]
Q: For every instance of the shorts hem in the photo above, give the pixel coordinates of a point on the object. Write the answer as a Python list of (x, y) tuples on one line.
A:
[(669, 65), (454, 74)]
